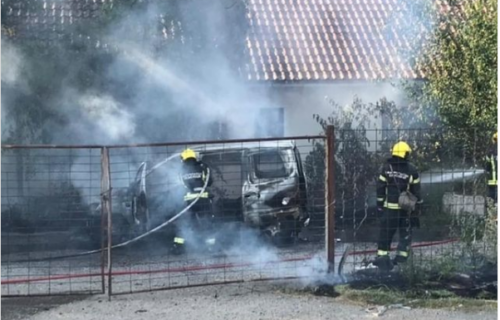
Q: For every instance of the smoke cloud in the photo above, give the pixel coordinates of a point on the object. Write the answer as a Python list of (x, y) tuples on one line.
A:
[(149, 77), (132, 91), (108, 116), (11, 69)]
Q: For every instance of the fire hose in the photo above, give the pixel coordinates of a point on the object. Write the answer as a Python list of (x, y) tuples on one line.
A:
[(204, 267), (161, 226)]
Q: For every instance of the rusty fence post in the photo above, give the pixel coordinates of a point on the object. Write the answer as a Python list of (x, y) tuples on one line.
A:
[(330, 198), (106, 211), (102, 233)]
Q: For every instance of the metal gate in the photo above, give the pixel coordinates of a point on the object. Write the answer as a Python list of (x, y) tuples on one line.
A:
[(95, 219), (91, 219), (265, 219), (47, 231)]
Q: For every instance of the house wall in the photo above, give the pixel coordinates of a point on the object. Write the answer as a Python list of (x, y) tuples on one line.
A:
[(302, 101)]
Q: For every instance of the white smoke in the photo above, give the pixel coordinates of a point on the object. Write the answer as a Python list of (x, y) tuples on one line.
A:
[(149, 97), (11, 64), (108, 116), (11, 70), (315, 271)]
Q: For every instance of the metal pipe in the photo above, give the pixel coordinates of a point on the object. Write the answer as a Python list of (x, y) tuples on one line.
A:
[(330, 198), (103, 221), (194, 268), (213, 284), (160, 144), (106, 201)]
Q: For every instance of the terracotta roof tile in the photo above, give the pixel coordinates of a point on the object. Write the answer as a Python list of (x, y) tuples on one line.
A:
[(328, 39), (288, 40)]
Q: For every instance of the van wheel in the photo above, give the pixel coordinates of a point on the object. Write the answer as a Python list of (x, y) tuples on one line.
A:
[(282, 234)]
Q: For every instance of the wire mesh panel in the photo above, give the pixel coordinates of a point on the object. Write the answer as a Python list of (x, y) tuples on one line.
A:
[(454, 226), (49, 221), (238, 211)]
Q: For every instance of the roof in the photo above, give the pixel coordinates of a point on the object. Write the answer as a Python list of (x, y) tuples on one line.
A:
[(324, 40), (288, 40)]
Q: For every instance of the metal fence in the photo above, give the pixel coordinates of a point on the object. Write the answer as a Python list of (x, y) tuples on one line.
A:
[(456, 227), (265, 219), (94, 219), (46, 199), (251, 228)]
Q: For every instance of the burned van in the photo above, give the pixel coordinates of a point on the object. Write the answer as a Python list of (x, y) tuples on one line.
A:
[(260, 185)]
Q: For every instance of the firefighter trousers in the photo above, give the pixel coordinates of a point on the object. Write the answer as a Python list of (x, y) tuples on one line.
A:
[(197, 224), (493, 193), (391, 221)]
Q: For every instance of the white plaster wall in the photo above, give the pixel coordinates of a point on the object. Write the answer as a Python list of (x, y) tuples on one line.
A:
[(301, 101)]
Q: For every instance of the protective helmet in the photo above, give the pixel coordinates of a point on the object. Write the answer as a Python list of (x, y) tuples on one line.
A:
[(401, 149), (188, 154), (495, 137)]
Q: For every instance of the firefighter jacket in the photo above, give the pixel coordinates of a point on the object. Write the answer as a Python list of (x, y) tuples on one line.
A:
[(194, 175), (492, 167), (391, 182)]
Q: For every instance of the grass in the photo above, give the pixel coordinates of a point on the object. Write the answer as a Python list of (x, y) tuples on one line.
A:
[(414, 298)]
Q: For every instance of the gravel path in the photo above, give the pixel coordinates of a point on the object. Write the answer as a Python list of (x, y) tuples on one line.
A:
[(242, 302)]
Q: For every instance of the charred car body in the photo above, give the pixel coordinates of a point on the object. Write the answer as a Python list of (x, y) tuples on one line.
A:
[(261, 186)]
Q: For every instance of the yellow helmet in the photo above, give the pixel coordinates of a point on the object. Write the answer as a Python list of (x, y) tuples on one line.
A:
[(400, 149), (188, 154), (495, 137)]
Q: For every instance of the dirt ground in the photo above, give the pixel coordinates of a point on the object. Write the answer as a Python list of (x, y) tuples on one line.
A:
[(242, 301)]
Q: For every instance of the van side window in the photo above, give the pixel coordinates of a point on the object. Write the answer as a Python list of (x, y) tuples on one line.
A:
[(269, 165)]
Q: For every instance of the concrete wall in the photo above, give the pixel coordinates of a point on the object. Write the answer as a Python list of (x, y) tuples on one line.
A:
[(456, 204)]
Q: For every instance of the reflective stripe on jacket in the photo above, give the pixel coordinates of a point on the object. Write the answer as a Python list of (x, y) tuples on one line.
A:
[(194, 176), (491, 168), (190, 196), (396, 175)]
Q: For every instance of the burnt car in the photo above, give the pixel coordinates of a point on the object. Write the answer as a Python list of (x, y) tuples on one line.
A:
[(260, 186)]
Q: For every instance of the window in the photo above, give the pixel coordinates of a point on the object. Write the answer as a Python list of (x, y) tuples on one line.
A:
[(270, 123), (269, 165)]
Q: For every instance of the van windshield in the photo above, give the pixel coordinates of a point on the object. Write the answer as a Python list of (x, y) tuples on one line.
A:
[(269, 165)]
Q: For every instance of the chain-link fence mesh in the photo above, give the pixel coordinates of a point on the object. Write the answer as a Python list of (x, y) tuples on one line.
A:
[(260, 217), (456, 228), (47, 219)]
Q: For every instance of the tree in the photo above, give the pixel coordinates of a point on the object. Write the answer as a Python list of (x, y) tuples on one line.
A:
[(455, 45), (355, 166)]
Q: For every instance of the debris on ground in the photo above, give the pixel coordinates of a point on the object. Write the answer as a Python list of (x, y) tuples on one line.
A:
[(324, 290), (479, 283), (380, 310)]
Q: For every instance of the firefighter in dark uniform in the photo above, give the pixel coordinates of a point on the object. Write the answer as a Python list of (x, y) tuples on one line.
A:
[(396, 175), (492, 170), (200, 216)]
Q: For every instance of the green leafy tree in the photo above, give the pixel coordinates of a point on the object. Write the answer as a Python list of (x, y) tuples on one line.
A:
[(454, 43), (355, 166)]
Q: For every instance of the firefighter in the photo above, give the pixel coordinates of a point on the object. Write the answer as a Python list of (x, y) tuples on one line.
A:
[(194, 174), (492, 170), (397, 175)]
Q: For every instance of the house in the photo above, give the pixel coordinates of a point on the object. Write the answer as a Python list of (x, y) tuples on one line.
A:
[(319, 48), (299, 52)]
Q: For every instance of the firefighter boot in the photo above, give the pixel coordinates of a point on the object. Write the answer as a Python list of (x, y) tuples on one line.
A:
[(384, 263), (178, 246), (399, 260)]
